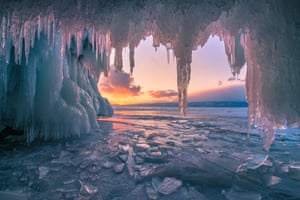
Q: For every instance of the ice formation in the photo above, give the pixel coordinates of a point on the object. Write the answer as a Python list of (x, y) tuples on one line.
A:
[(52, 53)]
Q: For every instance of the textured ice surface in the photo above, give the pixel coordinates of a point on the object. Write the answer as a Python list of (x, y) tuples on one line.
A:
[(84, 168)]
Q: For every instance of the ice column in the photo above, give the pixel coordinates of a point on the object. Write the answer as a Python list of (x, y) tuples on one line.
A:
[(183, 79)]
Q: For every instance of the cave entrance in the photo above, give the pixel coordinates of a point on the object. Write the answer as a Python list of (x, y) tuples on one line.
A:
[(153, 79)]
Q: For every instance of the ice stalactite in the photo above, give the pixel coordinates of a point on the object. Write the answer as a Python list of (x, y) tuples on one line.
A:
[(235, 53), (183, 79), (118, 58), (234, 49), (272, 82), (131, 58)]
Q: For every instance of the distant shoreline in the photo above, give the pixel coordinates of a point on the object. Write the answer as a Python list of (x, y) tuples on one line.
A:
[(192, 104)]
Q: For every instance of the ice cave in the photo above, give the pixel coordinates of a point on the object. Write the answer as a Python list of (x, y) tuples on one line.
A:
[(53, 53)]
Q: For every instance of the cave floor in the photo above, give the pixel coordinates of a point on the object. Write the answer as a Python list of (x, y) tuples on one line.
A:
[(154, 157)]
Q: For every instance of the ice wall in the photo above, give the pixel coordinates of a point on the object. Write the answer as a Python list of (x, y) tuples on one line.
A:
[(76, 40), (49, 77)]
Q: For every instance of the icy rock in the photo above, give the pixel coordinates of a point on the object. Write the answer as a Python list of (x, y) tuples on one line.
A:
[(139, 160), (119, 168), (152, 194), (195, 167), (155, 182), (146, 171), (272, 180), (43, 171), (255, 161), (124, 148), (141, 147), (155, 157), (93, 156), (88, 189), (107, 164), (169, 185), (123, 157), (284, 168)]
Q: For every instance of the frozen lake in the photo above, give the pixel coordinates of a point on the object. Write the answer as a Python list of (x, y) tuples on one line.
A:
[(154, 153)]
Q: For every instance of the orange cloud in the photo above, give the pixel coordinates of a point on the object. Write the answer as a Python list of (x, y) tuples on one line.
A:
[(120, 84), (163, 94)]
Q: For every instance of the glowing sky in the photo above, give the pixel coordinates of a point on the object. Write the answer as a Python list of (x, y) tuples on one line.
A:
[(154, 80)]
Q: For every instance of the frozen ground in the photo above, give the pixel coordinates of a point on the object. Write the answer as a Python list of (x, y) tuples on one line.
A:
[(152, 153)]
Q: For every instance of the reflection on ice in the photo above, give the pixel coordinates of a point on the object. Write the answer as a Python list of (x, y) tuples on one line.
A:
[(158, 156)]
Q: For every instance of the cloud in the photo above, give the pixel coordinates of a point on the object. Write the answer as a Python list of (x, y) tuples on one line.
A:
[(119, 83), (163, 93)]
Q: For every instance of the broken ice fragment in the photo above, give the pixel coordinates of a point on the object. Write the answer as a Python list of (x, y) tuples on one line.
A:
[(124, 148), (255, 161), (87, 188), (139, 160), (43, 171), (272, 180), (156, 181), (107, 164), (169, 185), (119, 168), (123, 157), (151, 193)]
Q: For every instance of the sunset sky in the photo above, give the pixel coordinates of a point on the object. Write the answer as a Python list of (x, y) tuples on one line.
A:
[(154, 80)]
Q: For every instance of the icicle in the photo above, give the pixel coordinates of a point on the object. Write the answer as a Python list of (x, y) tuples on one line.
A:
[(93, 35), (131, 58), (39, 28), (155, 42), (3, 35), (183, 79), (168, 46), (79, 42), (118, 58)]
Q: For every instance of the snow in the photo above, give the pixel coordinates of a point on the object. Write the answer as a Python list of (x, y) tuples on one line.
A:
[(60, 49)]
